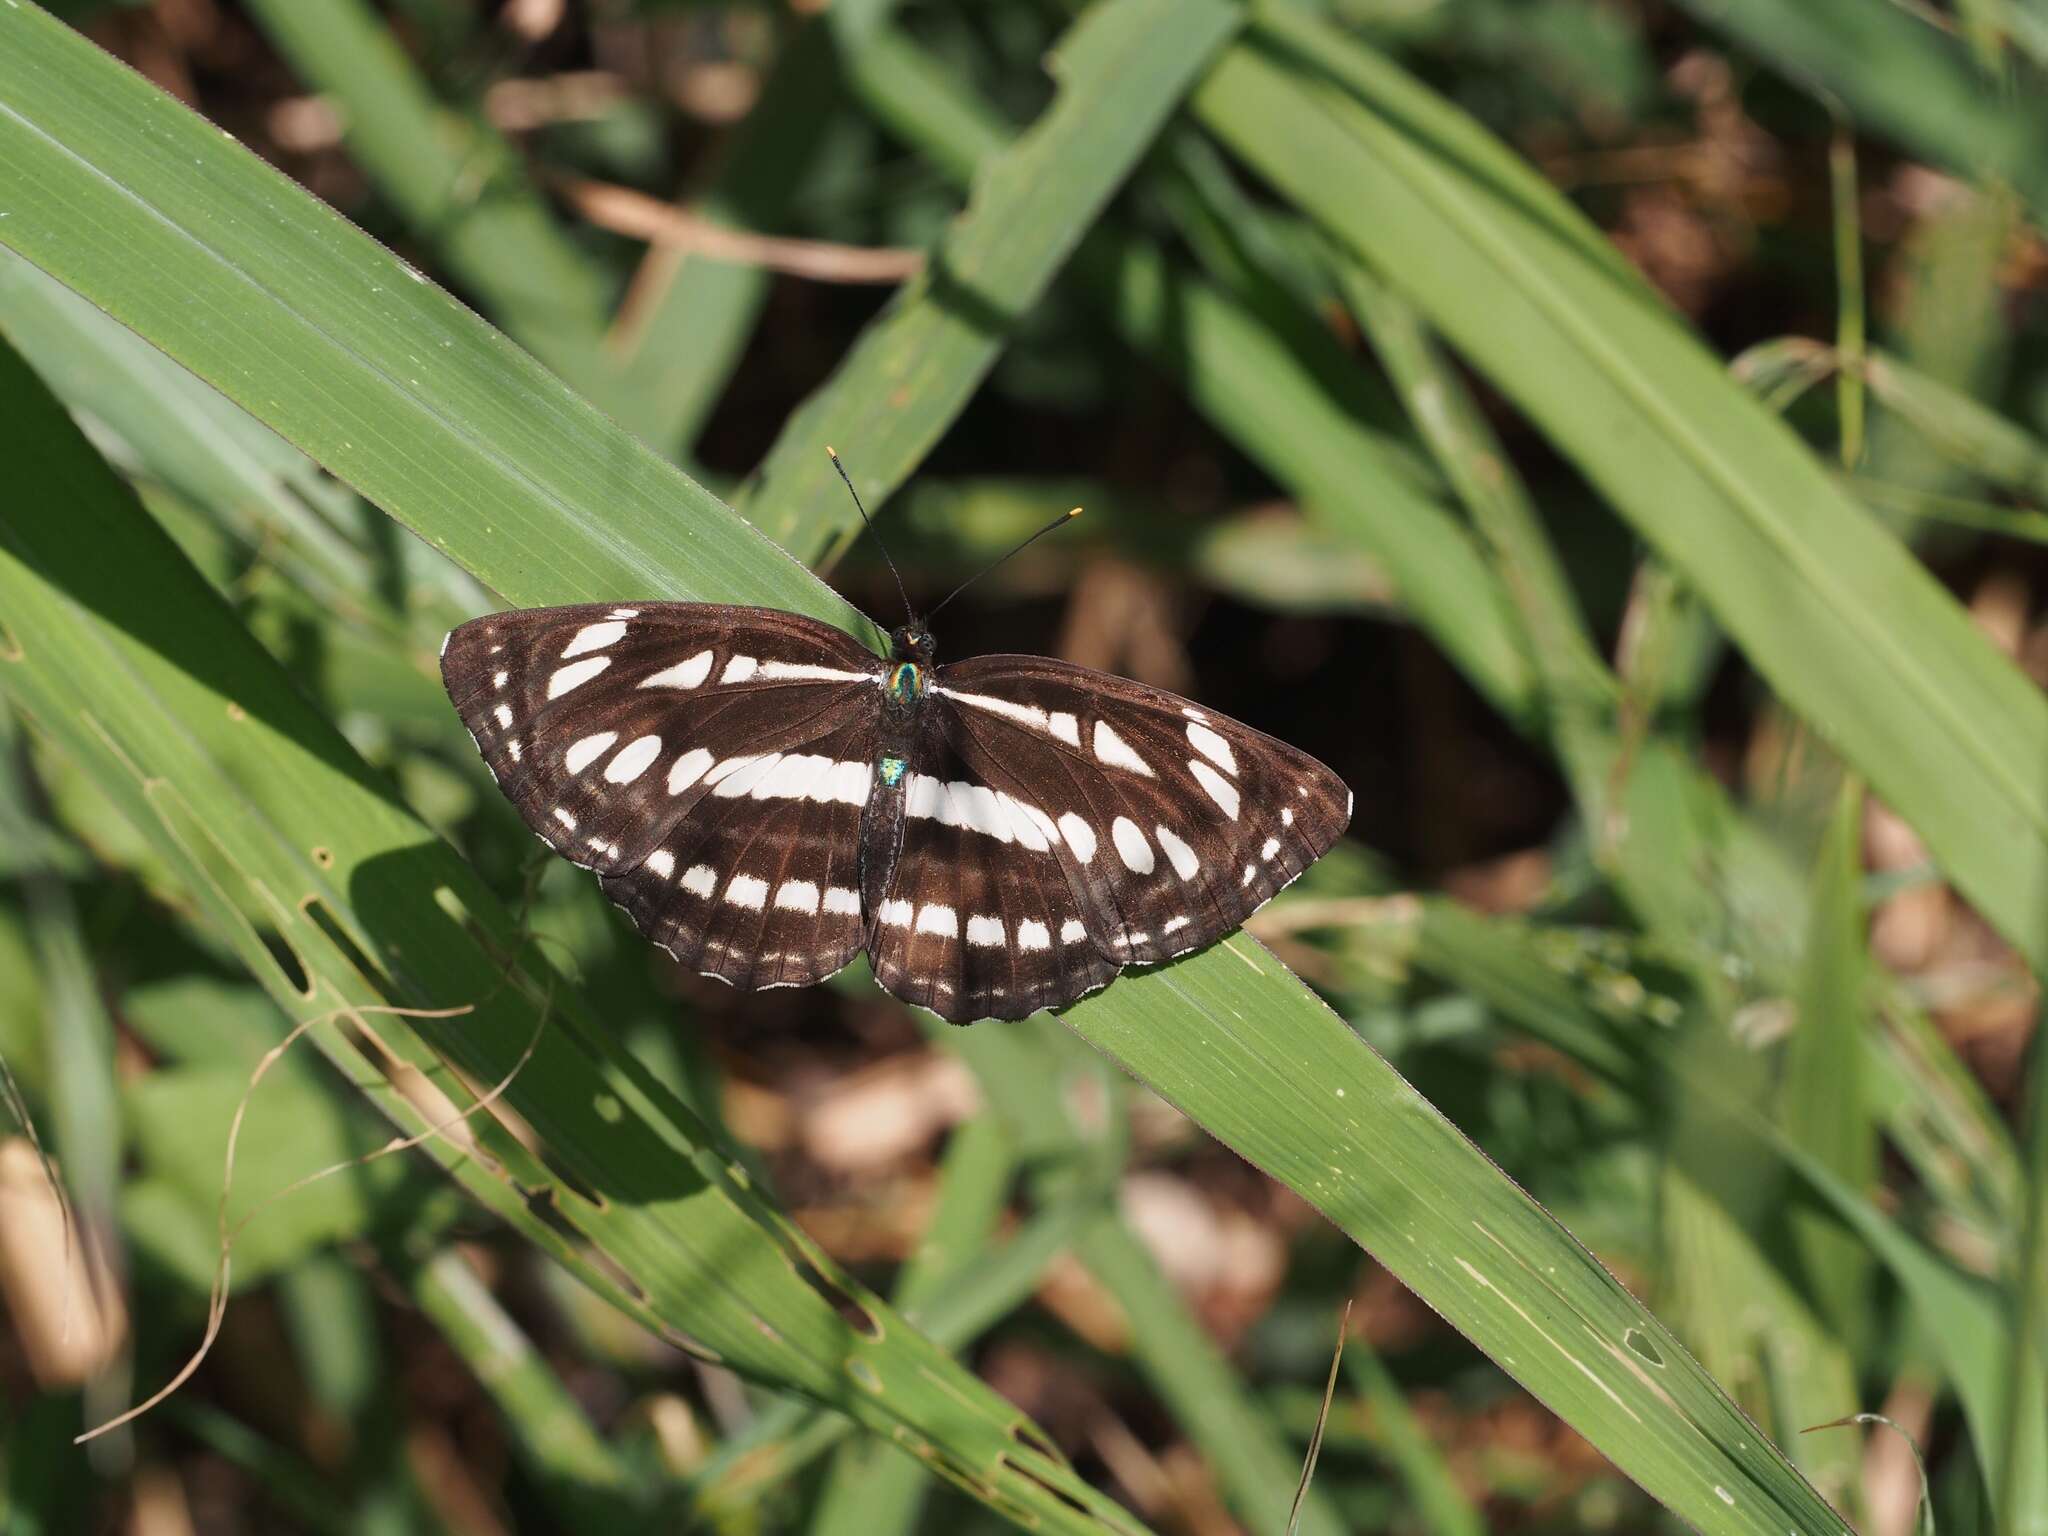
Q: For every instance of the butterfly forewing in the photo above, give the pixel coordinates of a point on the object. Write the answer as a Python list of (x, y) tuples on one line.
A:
[(758, 888), (608, 726)]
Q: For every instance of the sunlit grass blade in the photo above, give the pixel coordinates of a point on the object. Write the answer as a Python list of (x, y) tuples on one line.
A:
[(454, 181), (335, 897), (1121, 69), (346, 352)]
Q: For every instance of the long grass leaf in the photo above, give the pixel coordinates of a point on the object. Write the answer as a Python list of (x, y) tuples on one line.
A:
[(335, 897), (1121, 69), (1832, 610)]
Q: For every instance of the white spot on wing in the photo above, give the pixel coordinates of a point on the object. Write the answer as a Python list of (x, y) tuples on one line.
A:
[(563, 816), (576, 674), (941, 920), (894, 914), (797, 896), (1212, 746), (1064, 726), (662, 862), (1175, 924), (684, 674), (746, 891), (1032, 934), (739, 669), (1220, 789), (1024, 714), (796, 777), (980, 811), (699, 880), (504, 715), (737, 776), (926, 797), (688, 769), (587, 751), (625, 613), (1073, 931), (1131, 846), (634, 759), (985, 931), (1112, 749), (594, 637), (1185, 864), (500, 679), (1286, 815), (842, 901), (1271, 847), (1079, 835), (1251, 873)]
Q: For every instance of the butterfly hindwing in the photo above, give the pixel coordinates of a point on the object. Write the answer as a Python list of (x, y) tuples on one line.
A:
[(979, 919), (606, 725), (1175, 823)]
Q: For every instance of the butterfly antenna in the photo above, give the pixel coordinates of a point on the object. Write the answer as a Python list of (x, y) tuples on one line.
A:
[(1059, 522), (909, 612)]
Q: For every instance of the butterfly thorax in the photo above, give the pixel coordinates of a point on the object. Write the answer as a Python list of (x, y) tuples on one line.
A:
[(909, 676)]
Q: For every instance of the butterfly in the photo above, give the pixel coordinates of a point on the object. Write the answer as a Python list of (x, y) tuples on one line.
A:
[(766, 797)]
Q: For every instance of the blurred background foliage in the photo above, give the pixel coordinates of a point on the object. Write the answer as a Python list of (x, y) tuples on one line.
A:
[(1696, 865)]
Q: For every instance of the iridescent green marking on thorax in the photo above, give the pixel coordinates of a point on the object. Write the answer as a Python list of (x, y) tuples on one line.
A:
[(906, 682), (892, 771)]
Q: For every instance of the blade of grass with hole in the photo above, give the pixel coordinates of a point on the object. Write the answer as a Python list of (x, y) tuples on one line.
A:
[(1820, 599), (872, 1489), (326, 340), (334, 896), (1121, 68), (1054, 1097)]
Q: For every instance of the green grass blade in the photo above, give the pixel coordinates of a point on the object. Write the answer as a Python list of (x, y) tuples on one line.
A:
[(346, 352), (331, 893), (1822, 1102), (1269, 378), (1296, 1092), (584, 1482), (1121, 69), (2022, 1495), (1970, 434), (678, 359), (1440, 1505), (1834, 612), (300, 319), (1902, 76), (871, 1489), (459, 186)]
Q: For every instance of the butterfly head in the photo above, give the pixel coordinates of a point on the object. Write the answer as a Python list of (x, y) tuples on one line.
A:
[(912, 642)]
